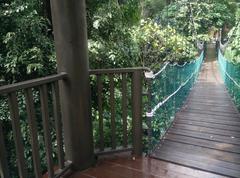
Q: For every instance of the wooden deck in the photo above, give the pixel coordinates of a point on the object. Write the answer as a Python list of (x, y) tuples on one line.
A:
[(123, 166), (206, 132)]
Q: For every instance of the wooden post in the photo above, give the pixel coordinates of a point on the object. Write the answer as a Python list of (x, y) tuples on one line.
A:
[(137, 112), (70, 33), (149, 118), (4, 171)]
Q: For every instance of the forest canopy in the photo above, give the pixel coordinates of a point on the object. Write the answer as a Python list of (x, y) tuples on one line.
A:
[(118, 38)]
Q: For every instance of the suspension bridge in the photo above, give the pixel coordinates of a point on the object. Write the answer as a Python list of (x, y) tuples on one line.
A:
[(205, 133)]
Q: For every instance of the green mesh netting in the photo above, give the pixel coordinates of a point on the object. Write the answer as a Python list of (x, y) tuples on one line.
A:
[(169, 89), (230, 73)]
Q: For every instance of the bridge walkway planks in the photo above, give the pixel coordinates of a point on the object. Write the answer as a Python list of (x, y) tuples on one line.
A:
[(205, 134)]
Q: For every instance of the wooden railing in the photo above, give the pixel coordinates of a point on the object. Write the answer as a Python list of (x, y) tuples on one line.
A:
[(45, 91), (113, 85), (45, 87)]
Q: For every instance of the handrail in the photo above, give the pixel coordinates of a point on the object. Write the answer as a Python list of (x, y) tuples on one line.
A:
[(32, 83), (117, 70)]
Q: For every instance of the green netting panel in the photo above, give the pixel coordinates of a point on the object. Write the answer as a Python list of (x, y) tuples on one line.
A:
[(170, 88), (230, 73)]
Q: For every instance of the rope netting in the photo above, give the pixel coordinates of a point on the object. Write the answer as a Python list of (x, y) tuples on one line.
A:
[(230, 73), (169, 89)]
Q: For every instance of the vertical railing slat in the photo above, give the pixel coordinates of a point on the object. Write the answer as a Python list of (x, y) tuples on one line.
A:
[(4, 171), (46, 127), (149, 108), (112, 106), (33, 131), (124, 109), (137, 112), (15, 119), (100, 110), (58, 123)]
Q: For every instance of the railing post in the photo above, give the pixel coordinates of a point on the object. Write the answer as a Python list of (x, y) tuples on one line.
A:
[(4, 171), (149, 117), (70, 34), (137, 112)]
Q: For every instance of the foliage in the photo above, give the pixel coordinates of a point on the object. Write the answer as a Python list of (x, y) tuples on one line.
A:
[(26, 49), (119, 34), (109, 38), (152, 7), (158, 44), (196, 17), (233, 50)]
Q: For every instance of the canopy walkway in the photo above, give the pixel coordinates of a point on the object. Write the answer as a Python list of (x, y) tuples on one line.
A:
[(206, 132), (71, 118)]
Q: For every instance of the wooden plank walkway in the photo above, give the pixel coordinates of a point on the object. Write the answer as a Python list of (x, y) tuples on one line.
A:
[(206, 132), (123, 166)]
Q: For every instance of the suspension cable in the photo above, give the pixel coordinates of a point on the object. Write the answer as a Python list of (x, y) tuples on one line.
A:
[(179, 65), (150, 75)]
